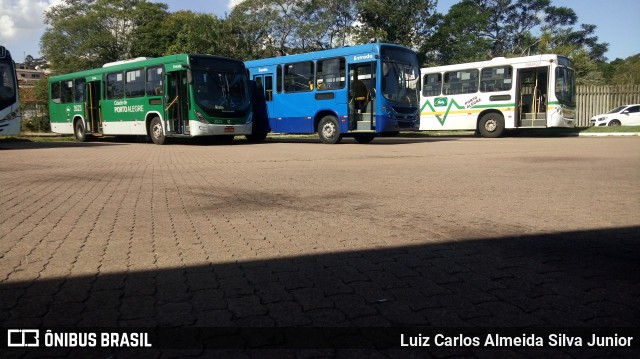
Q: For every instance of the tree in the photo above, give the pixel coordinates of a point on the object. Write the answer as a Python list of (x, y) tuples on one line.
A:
[(457, 38), (404, 22), (626, 72), (280, 27), (475, 30), (194, 33), (84, 34)]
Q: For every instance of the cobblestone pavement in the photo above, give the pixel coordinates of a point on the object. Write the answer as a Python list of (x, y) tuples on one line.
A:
[(440, 232)]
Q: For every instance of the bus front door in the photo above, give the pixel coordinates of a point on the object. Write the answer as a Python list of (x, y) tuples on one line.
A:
[(362, 97), (176, 103), (532, 97), (92, 106), (261, 98)]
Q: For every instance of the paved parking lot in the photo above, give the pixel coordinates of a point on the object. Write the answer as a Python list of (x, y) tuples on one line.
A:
[(442, 232)]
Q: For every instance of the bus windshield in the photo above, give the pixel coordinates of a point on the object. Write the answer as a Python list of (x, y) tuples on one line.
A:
[(566, 85), (221, 93), (7, 85), (400, 76)]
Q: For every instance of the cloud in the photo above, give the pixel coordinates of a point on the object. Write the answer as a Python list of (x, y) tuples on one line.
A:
[(21, 24), (233, 3)]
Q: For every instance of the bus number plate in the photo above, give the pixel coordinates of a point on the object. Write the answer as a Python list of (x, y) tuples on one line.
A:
[(229, 129)]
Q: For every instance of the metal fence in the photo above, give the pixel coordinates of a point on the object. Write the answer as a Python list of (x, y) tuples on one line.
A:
[(593, 100)]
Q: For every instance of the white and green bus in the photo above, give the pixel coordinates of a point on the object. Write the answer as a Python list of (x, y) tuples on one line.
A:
[(173, 96), (9, 101), (503, 93)]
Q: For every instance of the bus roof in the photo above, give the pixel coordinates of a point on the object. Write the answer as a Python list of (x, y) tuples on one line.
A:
[(324, 54), (135, 64), (497, 61)]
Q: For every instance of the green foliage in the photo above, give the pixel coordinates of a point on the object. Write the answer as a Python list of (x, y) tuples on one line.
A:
[(404, 22), (38, 121), (85, 34), (625, 72)]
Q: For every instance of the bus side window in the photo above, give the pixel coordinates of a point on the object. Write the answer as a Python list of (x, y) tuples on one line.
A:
[(79, 90), (268, 87), (431, 85), (115, 86), (279, 79), (496, 79), (298, 77), (55, 92), (451, 83), (134, 85), (469, 81), (330, 74), (66, 90), (154, 81)]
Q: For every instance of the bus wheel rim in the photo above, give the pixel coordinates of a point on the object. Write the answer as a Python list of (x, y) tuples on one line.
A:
[(157, 130), (328, 130), (491, 125)]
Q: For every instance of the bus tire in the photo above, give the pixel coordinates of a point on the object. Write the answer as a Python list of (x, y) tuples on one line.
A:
[(363, 138), (329, 130), (256, 137), (155, 131), (491, 125), (78, 131)]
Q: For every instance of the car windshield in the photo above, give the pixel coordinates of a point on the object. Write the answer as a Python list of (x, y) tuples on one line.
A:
[(220, 93), (617, 109)]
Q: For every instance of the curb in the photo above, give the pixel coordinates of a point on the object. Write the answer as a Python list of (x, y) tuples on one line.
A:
[(608, 134)]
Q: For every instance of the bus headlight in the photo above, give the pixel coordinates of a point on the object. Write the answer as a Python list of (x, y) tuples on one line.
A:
[(388, 111), (201, 118)]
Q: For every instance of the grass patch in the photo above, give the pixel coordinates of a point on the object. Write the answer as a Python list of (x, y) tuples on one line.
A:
[(39, 137), (609, 129)]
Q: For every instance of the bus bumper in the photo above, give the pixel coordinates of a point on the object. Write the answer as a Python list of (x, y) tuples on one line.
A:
[(562, 117), (201, 129)]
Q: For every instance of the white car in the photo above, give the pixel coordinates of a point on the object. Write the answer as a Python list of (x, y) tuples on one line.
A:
[(627, 115)]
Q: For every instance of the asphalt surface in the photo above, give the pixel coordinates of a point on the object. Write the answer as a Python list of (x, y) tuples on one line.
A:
[(404, 232)]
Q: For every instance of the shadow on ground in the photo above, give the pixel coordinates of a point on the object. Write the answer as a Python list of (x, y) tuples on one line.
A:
[(583, 279)]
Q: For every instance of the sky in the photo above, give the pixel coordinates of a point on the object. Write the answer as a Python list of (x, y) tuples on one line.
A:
[(21, 21)]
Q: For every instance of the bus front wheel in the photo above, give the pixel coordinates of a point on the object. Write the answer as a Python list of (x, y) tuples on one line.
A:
[(491, 125), (156, 132), (329, 130), (81, 136)]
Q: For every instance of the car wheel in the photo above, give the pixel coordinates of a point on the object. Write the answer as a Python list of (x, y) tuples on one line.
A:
[(614, 123)]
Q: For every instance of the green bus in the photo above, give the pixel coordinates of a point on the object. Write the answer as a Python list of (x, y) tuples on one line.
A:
[(172, 96)]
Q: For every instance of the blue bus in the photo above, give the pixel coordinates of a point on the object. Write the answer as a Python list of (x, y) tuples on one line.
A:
[(360, 91)]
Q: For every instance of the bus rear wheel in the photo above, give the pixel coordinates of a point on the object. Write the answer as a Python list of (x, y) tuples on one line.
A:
[(329, 130), (81, 136), (156, 132), (491, 125)]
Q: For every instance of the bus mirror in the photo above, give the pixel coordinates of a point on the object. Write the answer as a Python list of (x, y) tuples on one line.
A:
[(189, 77)]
